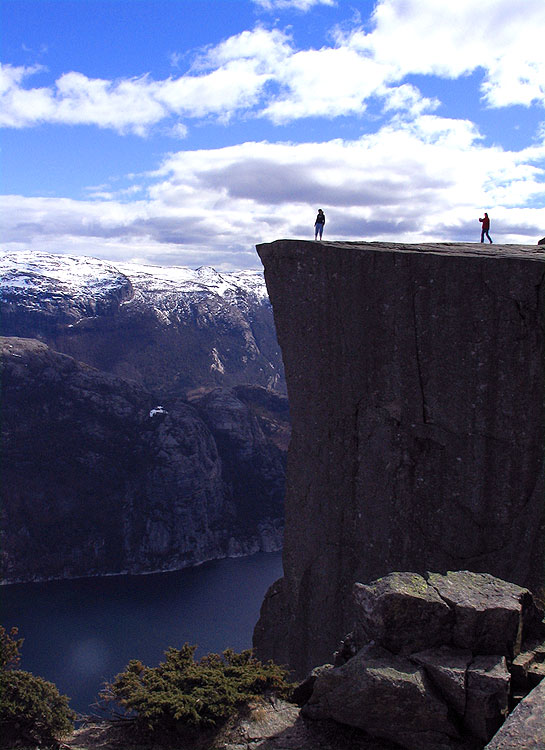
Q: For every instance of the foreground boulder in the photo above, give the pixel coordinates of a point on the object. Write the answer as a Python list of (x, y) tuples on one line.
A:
[(524, 729), (429, 662)]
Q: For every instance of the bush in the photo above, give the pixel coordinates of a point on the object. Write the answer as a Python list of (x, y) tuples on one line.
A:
[(183, 696), (32, 711), (10, 647)]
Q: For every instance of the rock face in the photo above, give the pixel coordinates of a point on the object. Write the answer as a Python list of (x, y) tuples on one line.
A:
[(424, 676), (160, 441), (416, 377), (98, 477)]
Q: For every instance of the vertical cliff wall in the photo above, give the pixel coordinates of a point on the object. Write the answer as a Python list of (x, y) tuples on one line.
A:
[(416, 385)]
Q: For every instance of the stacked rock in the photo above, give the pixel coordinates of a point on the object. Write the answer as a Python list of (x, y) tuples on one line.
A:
[(433, 662)]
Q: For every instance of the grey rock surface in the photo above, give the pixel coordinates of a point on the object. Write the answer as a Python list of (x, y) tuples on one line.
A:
[(487, 696), (267, 725), (524, 728), (97, 477), (489, 614), (416, 377), (447, 669), (442, 696), (386, 695), (402, 613)]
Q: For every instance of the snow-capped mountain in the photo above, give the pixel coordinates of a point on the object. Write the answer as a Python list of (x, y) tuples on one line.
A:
[(168, 449), (171, 327), (44, 275)]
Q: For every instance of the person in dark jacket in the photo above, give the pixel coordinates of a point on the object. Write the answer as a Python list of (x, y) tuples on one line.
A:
[(485, 227), (319, 224)]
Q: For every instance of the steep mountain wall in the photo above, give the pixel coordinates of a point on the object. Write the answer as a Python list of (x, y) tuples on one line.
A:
[(95, 477), (99, 477), (416, 384)]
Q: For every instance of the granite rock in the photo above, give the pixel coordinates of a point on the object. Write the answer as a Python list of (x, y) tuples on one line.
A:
[(447, 669), (489, 614), (524, 728), (385, 687), (402, 613), (415, 376), (488, 683), (387, 696)]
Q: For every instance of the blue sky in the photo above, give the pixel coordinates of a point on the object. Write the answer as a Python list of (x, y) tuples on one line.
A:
[(183, 132)]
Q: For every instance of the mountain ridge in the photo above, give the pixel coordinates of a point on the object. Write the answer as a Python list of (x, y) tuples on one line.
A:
[(159, 396)]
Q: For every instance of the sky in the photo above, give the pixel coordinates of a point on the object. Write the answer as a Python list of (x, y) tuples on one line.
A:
[(183, 132)]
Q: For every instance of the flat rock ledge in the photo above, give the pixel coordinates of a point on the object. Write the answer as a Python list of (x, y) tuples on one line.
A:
[(437, 663)]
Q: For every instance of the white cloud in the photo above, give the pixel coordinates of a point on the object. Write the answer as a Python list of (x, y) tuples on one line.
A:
[(503, 38), (427, 179), (262, 73)]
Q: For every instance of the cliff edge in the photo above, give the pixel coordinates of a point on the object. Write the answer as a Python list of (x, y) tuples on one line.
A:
[(416, 381)]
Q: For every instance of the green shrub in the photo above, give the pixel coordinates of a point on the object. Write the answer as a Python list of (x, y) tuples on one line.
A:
[(10, 647), (182, 695), (32, 711)]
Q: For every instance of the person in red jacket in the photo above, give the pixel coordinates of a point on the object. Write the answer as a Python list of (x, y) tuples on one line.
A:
[(485, 227)]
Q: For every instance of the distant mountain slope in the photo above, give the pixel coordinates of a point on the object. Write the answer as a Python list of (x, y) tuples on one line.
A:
[(144, 417), (99, 477), (172, 330)]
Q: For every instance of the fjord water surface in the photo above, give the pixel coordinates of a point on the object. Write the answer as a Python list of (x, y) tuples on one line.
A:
[(82, 632)]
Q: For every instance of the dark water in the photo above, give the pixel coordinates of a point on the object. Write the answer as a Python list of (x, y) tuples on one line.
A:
[(80, 633)]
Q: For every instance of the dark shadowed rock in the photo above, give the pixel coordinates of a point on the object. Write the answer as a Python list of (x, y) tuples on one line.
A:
[(303, 691), (402, 613), (97, 477), (416, 376), (541, 241), (447, 669), (388, 696), (384, 683), (487, 696), (524, 728)]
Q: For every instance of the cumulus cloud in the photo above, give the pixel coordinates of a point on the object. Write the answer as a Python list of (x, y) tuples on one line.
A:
[(427, 179), (499, 37), (262, 73)]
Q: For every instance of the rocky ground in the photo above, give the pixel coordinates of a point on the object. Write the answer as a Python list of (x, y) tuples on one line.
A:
[(268, 725)]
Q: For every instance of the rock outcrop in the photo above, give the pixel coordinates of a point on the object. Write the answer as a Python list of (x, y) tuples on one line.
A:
[(98, 477), (415, 376), (430, 660)]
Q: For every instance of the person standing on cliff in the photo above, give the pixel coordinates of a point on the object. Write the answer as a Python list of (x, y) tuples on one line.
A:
[(485, 227), (319, 224)]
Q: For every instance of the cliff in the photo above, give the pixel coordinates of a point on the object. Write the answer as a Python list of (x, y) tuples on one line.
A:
[(96, 478), (99, 477), (415, 377)]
